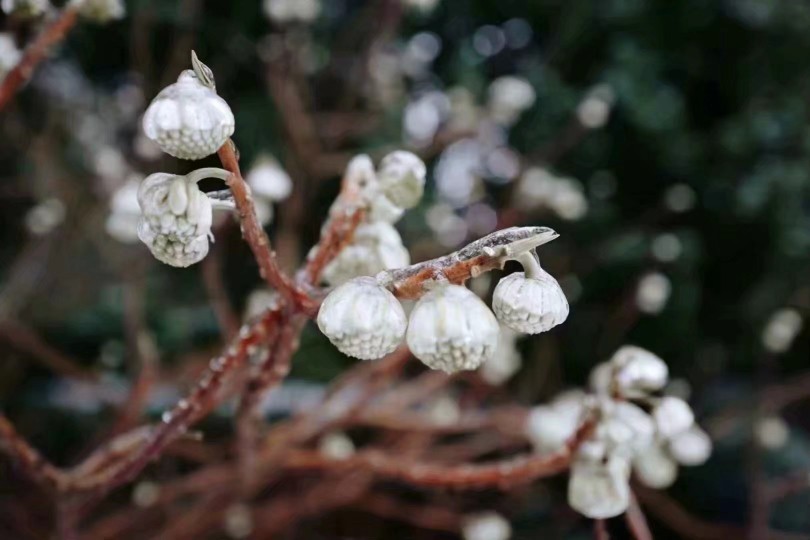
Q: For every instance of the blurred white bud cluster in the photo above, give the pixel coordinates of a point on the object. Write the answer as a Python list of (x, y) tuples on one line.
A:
[(506, 361), (450, 328), (396, 185), (25, 8), (176, 216), (187, 119), (289, 11), (9, 54), (101, 11), (539, 188), (269, 183), (781, 330), (45, 216), (638, 431)]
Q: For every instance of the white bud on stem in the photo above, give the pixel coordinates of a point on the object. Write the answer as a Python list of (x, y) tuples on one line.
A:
[(362, 319), (451, 329)]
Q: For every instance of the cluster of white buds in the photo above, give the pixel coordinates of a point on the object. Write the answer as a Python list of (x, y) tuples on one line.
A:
[(285, 11), (396, 185), (450, 328), (25, 8), (187, 119), (9, 54), (101, 11), (638, 430), (509, 97), (269, 183), (177, 217)]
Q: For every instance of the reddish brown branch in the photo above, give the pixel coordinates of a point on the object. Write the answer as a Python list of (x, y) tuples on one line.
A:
[(636, 521), (36, 52), (255, 236), (36, 467), (483, 255), (501, 474)]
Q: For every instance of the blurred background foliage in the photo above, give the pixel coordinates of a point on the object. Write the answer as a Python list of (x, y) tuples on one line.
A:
[(701, 174)]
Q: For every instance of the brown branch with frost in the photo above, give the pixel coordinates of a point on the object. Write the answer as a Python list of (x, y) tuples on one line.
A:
[(53, 34), (488, 253), (255, 236)]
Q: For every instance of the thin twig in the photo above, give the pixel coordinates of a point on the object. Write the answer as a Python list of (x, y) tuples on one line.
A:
[(54, 33)]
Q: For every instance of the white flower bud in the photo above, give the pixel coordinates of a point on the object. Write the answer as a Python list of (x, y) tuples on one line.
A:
[(653, 293), (599, 490), (25, 8), (506, 361), (530, 302), (691, 447), (601, 378), (625, 428), (101, 11), (362, 319), (125, 213), (382, 209), (336, 445), (176, 219), (376, 247), (548, 427), (638, 372), (402, 178), (451, 329), (188, 119), (268, 180), (672, 416), (486, 526), (655, 468)]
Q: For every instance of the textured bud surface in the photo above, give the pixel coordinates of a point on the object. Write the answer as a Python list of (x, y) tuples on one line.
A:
[(451, 329), (188, 120), (402, 178), (176, 219), (376, 247), (362, 319), (530, 304)]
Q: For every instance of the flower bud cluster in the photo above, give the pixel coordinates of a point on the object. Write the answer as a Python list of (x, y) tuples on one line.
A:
[(638, 431), (539, 188), (397, 184), (450, 328), (176, 216)]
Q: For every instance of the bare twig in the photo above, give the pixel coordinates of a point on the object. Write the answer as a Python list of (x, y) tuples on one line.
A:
[(54, 33)]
